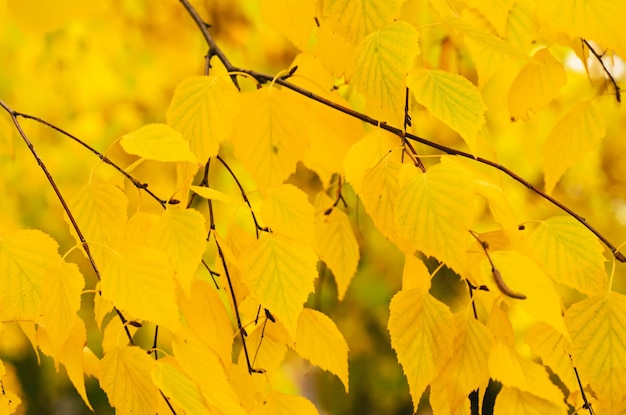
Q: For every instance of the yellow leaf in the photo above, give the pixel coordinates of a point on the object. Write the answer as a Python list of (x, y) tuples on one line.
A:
[(211, 194), (576, 134), (421, 329), (537, 84), (208, 319), (522, 275), (267, 346), (434, 211), (100, 211), (178, 387), (25, 255), (570, 254), (158, 142), (277, 403), (204, 368), (522, 26), (9, 401), (333, 50), (115, 334), (181, 235), (287, 211), (598, 332), (599, 20), (280, 274), (512, 401), (496, 11), (415, 275), (60, 301), (271, 134), (381, 63), (320, 342), (336, 244), (511, 369), (141, 282), (124, 376), (293, 18), (451, 98), (203, 109), (553, 348), (356, 19)]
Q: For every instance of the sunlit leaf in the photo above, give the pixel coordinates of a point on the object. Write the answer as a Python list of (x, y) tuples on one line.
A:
[(320, 342), (142, 283), (158, 142), (381, 63), (203, 109), (356, 19), (516, 402), (421, 329), (270, 136), (538, 83), (269, 342), (433, 211), (570, 254), (576, 134), (124, 376), (293, 18), (211, 194), (178, 387), (280, 274), (25, 256), (286, 210), (496, 11), (277, 403), (415, 275)]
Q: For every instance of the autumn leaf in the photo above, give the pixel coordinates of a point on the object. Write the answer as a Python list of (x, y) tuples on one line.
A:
[(293, 18), (178, 387), (517, 402), (287, 211), (158, 142), (277, 403), (356, 19)]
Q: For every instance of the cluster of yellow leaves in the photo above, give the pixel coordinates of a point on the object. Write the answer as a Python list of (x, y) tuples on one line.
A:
[(160, 267)]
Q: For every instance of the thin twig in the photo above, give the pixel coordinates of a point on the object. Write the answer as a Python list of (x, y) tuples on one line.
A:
[(618, 95), (586, 405)]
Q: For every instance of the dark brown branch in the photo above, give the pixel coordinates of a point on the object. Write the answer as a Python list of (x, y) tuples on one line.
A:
[(618, 95)]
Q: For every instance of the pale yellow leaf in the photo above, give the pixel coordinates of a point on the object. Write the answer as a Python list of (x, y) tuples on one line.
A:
[(570, 254), (271, 134), (421, 329), (598, 332), (511, 369), (158, 142), (358, 18), (62, 286), (415, 275), (180, 234), (336, 244), (434, 213), (100, 211), (124, 376), (512, 401), (277, 403), (178, 387), (287, 211), (381, 63), (320, 342), (537, 84), (211, 194), (451, 98), (141, 282), (496, 11), (203, 366), (25, 256), (293, 18), (203, 109), (280, 274), (576, 134)]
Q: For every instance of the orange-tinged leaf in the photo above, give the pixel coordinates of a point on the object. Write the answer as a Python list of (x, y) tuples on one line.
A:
[(287, 211), (293, 18), (141, 282), (511, 369), (25, 256), (381, 63), (570, 254), (158, 142), (537, 84), (271, 134), (512, 401), (203, 109), (124, 376), (198, 361), (100, 211), (181, 235), (336, 244), (356, 19), (320, 342), (598, 332), (434, 211), (277, 403), (178, 387), (280, 274), (421, 329), (576, 134), (451, 98), (62, 286)]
